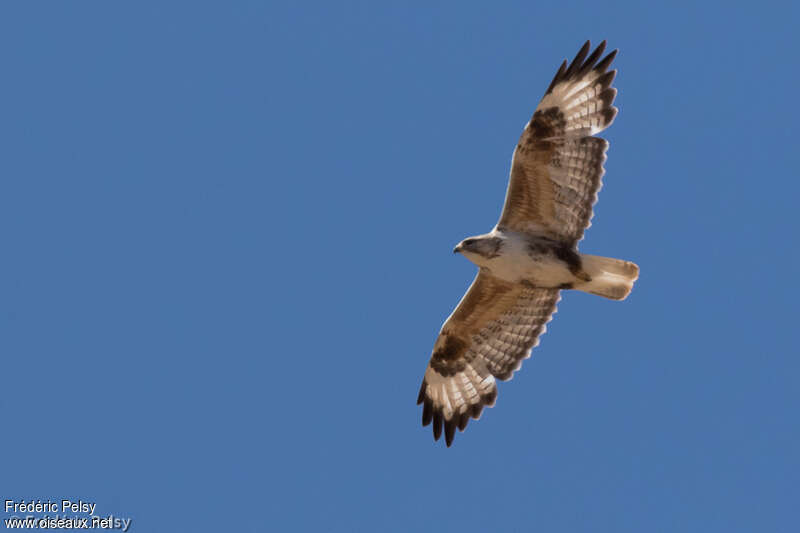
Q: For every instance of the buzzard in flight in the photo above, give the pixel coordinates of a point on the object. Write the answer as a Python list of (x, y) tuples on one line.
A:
[(532, 253)]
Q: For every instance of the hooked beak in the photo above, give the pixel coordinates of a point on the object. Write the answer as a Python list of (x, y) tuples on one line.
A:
[(457, 249)]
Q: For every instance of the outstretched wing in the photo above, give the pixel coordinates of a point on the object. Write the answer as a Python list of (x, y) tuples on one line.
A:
[(557, 165), (492, 330)]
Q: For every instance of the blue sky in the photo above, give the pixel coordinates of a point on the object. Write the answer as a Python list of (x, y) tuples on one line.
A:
[(227, 233)]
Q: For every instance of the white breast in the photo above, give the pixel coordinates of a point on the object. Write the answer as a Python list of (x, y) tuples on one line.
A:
[(515, 263)]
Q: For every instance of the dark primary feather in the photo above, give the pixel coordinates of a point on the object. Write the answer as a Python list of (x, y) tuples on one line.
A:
[(580, 67)]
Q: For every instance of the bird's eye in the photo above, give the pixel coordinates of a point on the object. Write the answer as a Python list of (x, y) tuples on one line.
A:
[(469, 242)]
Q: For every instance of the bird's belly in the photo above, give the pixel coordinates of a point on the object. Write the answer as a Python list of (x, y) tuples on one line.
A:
[(539, 270)]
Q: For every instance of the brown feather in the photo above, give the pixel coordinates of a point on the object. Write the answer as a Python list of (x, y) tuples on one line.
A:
[(488, 335), (557, 167)]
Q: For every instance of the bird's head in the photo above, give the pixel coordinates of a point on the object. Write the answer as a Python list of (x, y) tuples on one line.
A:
[(479, 249), (467, 245)]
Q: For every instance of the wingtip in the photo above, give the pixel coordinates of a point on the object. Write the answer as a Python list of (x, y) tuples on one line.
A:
[(422, 389), (427, 412), (437, 425), (583, 62), (557, 77), (577, 62), (449, 431), (463, 421), (606, 61)]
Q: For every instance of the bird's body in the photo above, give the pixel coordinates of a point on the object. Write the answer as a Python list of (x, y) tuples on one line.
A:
[(538, 261), (526, 258), (532, 253)]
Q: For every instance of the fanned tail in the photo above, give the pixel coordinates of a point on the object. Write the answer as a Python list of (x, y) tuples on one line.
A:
[(611, 278)]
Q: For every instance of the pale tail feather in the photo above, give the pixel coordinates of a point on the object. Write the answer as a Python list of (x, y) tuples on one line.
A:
[(611, 278)]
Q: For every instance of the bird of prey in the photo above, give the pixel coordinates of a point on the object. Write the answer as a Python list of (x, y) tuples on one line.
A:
[(531, 254)]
